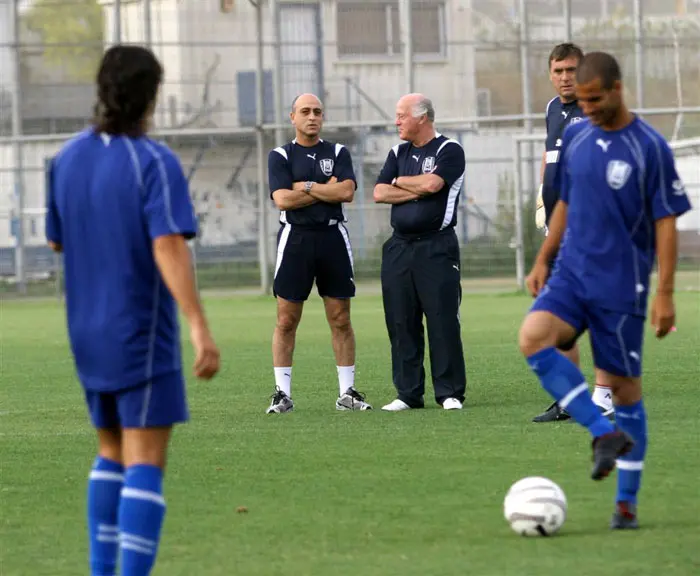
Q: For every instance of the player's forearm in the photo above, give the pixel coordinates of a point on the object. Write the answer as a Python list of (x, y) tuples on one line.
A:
[(543, 166), (173, 259), (422, 185), (557, 226), (334, 193), (666, 253), (292, 199), (388, 194)]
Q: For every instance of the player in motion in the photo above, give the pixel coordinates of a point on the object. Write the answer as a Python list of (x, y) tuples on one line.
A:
[(310, 179), (120, 211), (620, 197), (563, 110)]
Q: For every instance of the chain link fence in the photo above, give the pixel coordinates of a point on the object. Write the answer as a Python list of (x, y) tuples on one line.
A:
[(233, 67)]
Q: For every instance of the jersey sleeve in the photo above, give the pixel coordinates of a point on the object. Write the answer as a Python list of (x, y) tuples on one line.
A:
[(343, 166), (665, 190), (390, 170), (561, 173), (450, 163), (168, 208), (52, 224), (279, 175)]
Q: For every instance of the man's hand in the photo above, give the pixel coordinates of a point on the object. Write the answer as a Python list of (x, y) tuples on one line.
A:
[(540, 213), (206, 362), (663, 313), (300, 185), (537, 278)]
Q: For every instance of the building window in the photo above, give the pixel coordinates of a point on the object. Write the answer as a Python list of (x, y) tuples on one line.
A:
[(367, 28)]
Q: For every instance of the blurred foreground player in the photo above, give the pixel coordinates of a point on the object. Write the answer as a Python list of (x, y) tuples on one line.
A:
[(563, 110), (620, 197), (310, 179), (120, 212)]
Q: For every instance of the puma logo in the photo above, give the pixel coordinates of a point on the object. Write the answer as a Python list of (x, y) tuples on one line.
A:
[(604, 144), (564, 114), (416, 158), (312, 156)]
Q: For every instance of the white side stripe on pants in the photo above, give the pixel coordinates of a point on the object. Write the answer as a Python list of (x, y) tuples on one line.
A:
[(346, 237), (280, 248)]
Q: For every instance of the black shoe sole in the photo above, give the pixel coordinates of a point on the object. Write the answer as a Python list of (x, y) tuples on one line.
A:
[(612, 446)]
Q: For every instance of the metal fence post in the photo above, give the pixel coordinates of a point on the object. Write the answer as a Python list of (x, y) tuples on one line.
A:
[(17, 151), (260, 149), (518, 207)]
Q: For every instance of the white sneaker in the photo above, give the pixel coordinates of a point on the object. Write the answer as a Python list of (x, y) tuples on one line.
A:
[(452, 404), (396, 406), (352, 400)]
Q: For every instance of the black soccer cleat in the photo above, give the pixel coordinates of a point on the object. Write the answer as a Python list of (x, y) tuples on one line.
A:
[(553, 414), (606, 450), (625, 517)]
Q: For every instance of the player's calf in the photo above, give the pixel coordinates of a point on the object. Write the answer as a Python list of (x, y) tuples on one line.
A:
[(142, 505), (541, 332)]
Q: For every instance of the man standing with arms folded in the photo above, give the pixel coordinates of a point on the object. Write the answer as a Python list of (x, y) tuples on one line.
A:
[(422, 179)]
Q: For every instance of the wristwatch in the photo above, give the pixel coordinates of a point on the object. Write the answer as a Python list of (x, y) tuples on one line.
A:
[(307, 186)]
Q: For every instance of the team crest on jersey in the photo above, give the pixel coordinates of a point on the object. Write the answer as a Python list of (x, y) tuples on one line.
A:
[(575, 120), (428, 164), (326, 166), (618, 173)]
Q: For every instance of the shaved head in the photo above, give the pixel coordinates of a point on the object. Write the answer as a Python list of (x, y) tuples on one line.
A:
[(599, 65), (307, 118), (307, 99)]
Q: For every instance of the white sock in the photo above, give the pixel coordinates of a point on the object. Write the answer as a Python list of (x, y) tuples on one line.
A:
[(602, 396), (283, 380), (346, 378)]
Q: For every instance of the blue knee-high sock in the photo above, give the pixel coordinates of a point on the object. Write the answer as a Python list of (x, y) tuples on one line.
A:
[(565, 383), (141, 513), (104, 485), (633, 420)]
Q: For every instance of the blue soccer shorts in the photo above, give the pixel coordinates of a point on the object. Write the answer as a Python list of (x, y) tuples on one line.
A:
[(617, 339), (162, 401)]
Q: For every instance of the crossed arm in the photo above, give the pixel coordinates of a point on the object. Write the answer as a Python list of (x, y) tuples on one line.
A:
[(407, 188), (333, 192)]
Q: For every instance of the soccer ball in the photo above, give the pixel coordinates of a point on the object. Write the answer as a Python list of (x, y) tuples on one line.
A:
[(535, 506)]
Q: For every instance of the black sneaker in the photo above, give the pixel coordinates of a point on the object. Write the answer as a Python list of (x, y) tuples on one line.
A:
[(625, 517), (609, 413), (553, 414), (606, 450)]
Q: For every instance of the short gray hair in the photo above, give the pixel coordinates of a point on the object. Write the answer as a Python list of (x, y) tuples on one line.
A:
[(424, 108)]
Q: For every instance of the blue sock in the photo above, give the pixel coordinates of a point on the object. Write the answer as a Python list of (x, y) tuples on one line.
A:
[(565, 383), (104, 486), (633, 420), (141, 513)]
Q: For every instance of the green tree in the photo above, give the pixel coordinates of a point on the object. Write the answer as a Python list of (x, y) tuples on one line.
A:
[(72, 33)]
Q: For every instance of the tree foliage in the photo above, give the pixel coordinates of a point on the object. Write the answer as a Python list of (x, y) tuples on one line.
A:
[(72, 33)]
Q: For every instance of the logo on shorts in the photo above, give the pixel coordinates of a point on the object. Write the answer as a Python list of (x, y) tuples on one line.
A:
[(326, 166), (618, 173), (428, 164)]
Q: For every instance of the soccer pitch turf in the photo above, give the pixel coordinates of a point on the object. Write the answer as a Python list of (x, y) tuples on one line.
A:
[(371, 493)]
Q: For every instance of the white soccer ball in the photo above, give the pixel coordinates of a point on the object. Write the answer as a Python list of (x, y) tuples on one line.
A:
[(535, 506)]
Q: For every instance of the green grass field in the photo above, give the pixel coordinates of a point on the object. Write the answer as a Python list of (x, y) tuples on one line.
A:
[(343, 494)]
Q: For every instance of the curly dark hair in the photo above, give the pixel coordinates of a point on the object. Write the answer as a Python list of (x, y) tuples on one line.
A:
[(127, 86)]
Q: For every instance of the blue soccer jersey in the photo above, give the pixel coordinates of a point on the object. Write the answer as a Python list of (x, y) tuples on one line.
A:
[(616, 184), (109, 198)]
